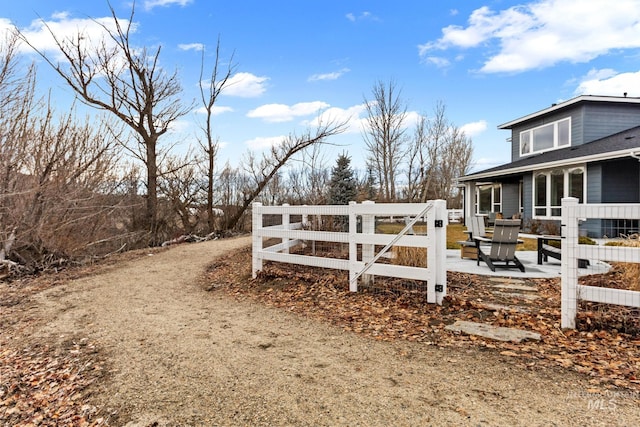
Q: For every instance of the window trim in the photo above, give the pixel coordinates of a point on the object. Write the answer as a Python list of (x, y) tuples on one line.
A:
[(556, 145), (566, 171), (493, 186)]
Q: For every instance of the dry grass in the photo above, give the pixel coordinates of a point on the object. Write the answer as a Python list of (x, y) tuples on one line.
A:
[(411, 257), (630, 271)]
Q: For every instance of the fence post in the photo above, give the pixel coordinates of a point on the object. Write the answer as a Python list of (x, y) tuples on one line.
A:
[(286, 225), (437, 253), (353, 248), (256, 233), (368, 227), (569, 263), (305, 219)]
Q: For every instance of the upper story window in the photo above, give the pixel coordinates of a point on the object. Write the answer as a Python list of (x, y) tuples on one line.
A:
[(546, 137)]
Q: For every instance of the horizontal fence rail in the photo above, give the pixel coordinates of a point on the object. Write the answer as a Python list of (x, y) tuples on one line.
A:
[(572, 215), (293, 228)]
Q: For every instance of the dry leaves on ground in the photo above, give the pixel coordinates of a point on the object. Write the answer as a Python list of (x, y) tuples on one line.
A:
[(46, 382), (605, 347)]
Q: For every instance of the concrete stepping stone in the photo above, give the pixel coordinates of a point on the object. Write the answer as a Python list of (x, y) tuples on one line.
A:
[(497, 307), (516, 287), (520, 295), (506, 280), (493, 332)]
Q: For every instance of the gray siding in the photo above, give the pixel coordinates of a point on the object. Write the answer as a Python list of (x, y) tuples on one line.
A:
[(510, 196), (602, 120), (527, 193), (594, 183)]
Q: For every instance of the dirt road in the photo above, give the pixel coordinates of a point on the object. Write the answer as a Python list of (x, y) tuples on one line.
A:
[(178, 355)]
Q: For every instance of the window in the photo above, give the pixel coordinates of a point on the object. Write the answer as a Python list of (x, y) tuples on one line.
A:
[(488, 198), (540, 192), (546, 137), (549, 187), (557, 192)]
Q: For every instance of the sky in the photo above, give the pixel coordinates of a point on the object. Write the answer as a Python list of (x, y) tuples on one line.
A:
[(296, 61)]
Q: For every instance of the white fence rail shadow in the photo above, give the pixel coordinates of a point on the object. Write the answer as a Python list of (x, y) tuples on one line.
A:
[(362, 240), (572, 214)]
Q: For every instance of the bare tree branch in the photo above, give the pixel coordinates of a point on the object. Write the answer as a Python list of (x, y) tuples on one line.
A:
[(126, 81), (264, 170)]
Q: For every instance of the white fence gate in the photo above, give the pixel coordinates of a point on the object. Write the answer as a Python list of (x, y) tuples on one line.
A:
[(291, 234), (572, 214)]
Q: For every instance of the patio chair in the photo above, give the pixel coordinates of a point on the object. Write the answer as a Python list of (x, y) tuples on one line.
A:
[(475, 228), (502, 252)]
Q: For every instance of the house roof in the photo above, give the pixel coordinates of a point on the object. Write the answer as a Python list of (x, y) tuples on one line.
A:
[(622, 144), (568, 103)]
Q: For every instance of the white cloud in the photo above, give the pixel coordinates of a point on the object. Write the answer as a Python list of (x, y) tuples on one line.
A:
[(191, 46), (608, 82), (180, 126), (150, 4), (543, 33), (438, 61), (216, 110), (474, 128), (285, 113), (245, 85), (411, 119), (65, 27), (355, 118), (261, 143), (5, 26), (328, 76), (350, 116), (362, 16)]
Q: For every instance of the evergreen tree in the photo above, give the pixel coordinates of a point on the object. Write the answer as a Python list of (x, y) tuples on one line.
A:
[(342, 187)]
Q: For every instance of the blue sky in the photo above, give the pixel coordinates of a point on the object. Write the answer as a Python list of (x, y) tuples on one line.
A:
[(488, 61)]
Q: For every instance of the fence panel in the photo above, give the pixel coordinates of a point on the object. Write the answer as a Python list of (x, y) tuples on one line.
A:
[(354, 225), (572, 215)]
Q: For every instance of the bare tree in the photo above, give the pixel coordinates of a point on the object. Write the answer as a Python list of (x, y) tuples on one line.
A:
[(127, 81), (231, 186), (209, 94), (180, 185), (418, 162), (439, 153), (60, 206), (262, 170), (455, 160), (16, 103), (385, 136), (308, 183)]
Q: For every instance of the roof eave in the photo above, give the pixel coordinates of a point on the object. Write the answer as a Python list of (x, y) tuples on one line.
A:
[(549, 165), (565, 104)]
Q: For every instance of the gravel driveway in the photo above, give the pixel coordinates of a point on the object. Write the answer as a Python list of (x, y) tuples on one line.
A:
[(178, 355)]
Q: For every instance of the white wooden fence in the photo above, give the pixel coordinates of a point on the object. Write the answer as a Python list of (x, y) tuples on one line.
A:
[(572, 214), (366, 268)]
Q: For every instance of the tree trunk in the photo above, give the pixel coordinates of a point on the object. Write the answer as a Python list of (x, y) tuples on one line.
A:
[(152, 192)]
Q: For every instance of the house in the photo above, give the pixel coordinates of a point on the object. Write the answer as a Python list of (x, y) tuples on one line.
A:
[(587, 147)]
